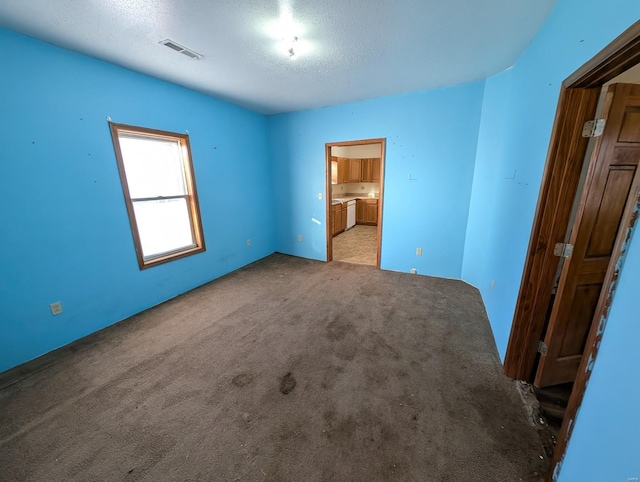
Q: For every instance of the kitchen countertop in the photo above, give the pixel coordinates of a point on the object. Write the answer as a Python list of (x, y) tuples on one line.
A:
[(351, 197)]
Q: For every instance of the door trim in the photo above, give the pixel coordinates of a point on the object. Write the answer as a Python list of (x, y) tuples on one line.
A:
[(577, 104), (327, 152)]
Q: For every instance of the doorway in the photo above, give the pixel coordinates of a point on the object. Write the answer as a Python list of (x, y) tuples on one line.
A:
[(607, 188), (354, 199), (547, 345)]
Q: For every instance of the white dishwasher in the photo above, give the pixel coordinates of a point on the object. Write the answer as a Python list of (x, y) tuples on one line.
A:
[(351, 214)]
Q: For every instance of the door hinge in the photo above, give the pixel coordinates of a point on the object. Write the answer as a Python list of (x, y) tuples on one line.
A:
[(593, 128), (542, 347), (564, 250)]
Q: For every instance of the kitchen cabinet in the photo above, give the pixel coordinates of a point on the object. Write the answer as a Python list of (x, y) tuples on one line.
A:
[(367, 212), (338, 218), (355, 170), (343, 170), (360, 211), (370, 170), (334, 170), (371, 212)]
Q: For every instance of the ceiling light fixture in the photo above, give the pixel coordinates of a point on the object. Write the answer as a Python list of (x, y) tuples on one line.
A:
[(290, 44)]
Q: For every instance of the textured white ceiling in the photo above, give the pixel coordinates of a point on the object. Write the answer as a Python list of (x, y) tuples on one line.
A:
[(348, 49)]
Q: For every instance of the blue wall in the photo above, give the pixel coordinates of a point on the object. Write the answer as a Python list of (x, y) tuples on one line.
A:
[(431, 135), (65, 231), (517, 117), (604, 445)]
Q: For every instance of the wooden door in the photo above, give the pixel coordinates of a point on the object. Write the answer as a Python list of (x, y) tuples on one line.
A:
[(355, 170), (604, 197)]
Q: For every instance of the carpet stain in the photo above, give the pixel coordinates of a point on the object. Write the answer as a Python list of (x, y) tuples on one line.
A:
[(287, 384), (242, 380), (337, 429), (379, 346), (338, 329), (331, 376)]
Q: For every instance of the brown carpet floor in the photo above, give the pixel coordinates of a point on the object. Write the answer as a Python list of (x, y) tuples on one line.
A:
[(286, 370)]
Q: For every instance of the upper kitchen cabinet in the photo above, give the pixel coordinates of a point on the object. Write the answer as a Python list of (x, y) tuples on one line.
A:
[(341, 166), (355, 170), (370, 170), (339, 170), (334, 170), (345, 170)]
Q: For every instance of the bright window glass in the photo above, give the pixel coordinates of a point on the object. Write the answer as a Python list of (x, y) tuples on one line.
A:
[(157, 177)]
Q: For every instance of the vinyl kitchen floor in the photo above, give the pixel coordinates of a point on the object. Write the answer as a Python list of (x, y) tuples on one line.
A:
[(357, 245)]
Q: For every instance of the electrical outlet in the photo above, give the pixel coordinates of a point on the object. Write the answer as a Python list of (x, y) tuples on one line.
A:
[(493, 284), (300, 237), (248, 242), (418, 251), (362, 188), (56, 308), (414, 271), (319, 195)]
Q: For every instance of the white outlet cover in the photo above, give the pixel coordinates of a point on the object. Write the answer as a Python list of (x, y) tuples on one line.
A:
[(300, 237), (56, 308), (248, 242)]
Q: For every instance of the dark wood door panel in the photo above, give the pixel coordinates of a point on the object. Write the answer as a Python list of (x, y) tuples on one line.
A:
[(593, 270), (614, 198), (583, 307), (625, 155), (630, 130), (602, 205)]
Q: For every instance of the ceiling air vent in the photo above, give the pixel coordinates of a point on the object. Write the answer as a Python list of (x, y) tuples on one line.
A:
[(179, 48)]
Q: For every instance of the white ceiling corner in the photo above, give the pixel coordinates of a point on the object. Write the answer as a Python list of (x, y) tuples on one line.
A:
[(348, 50)]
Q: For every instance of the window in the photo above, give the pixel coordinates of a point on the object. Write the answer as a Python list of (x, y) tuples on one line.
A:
[(160, 193)]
